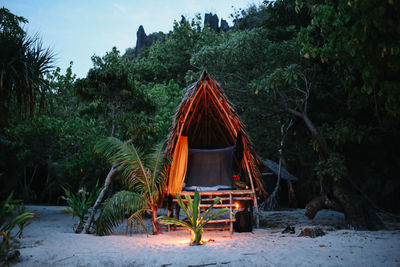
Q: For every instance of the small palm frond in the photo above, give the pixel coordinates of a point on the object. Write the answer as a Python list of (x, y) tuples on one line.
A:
[(182, 205), (70, 211), (204, 222), (18, 220), (116, 208), (216, 200), (123, 155), (137, 219), (171, 220), (158, 172)]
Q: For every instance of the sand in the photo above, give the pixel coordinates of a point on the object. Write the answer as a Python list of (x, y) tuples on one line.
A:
[(50, 241)]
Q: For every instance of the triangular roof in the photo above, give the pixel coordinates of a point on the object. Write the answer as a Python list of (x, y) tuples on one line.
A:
[(209, 120)]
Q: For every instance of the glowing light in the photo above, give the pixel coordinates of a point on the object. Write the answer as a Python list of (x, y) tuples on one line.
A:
[(237, 206)]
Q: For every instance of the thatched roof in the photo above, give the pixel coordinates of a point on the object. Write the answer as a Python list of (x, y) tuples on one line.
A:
[(209, 120)]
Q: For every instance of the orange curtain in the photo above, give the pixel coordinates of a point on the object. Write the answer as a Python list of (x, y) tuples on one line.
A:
[(177, 172)]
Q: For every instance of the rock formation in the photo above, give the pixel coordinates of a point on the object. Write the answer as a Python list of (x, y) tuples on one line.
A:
[(224, 26), (143, 40), (213, 21)]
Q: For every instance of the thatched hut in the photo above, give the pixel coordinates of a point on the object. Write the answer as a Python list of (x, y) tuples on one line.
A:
[(208, 145)]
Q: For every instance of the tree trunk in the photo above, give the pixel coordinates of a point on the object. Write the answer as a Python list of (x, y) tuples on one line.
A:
[(103, 192), (357, 213), (154, 221), (339, 197)]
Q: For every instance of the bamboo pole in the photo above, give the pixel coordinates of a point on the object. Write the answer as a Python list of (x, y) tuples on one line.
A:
[(230, 213), (254, 193)]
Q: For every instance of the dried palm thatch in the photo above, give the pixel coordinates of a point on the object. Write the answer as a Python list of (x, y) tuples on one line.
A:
[(208, 119)]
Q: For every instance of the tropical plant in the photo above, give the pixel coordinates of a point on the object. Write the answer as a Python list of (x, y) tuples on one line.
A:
[(195, 223), (11, 216), (79, 204), (23, 63), (142, 175)]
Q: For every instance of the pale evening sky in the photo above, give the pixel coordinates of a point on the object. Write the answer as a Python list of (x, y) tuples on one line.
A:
[(78, 29)]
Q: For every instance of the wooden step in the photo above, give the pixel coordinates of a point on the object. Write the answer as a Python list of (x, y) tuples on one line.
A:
[(222, 221), (218, 193), (205, 228), (222, 199), (218, 205)]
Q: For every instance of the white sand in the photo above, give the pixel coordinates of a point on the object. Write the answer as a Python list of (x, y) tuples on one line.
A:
[(50, 241)]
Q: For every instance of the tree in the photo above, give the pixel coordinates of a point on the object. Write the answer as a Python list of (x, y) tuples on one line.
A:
[(23, 62), (170, 59), (143, 177), (115, 97), (336, 187), (359, 40)]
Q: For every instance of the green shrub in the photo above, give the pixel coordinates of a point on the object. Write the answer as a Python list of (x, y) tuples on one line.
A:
[(79, 204)]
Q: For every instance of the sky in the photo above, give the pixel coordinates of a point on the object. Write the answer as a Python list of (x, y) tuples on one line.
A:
[(77, 29)]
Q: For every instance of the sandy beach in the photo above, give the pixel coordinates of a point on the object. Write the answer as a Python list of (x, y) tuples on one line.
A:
[(50, 241)]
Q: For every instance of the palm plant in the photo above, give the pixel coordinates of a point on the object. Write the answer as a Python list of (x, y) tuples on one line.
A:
[(195, 222), (143, 176), (79, 204), (9, 220), (23, 63)]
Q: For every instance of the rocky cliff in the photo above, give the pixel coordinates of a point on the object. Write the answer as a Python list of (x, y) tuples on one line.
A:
[(143, 40)]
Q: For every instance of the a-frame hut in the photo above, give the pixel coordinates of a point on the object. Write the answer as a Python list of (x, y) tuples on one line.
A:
[(210, 149)]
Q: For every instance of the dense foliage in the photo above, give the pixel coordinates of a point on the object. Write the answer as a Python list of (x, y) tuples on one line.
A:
[(334, 63)]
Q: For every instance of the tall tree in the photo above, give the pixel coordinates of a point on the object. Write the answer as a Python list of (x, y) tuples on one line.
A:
[(111, 89), (23, 62), (360, 41)]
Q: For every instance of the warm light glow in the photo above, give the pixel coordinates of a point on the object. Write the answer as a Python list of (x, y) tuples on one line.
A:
[(237, 206)]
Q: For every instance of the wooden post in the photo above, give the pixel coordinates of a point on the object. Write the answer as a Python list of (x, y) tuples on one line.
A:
[(230, 214), (254, 192), (168, 214)]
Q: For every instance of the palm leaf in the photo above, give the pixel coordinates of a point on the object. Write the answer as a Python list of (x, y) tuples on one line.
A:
[(70, 211), (137, 219), (158, 171), (127, 158), (217, 199), (170, 220), (115, 208), (20, 219), (196, 202), (189, 204), (182, 205), (201, 224)]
